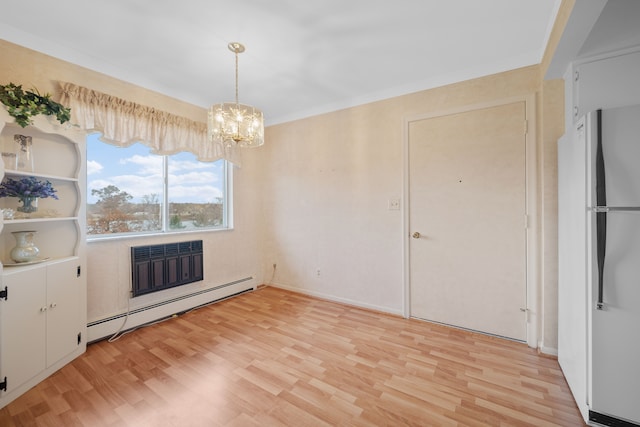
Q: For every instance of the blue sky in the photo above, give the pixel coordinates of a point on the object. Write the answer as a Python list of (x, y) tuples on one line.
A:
[(136, 171)]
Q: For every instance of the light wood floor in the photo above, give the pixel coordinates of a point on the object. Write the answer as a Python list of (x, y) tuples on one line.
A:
[(276, 358)]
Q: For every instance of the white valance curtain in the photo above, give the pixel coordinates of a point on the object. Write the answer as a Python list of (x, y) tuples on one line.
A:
[(123, 123)]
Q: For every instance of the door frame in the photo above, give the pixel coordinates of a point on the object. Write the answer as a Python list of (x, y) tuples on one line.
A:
[(530, 220)]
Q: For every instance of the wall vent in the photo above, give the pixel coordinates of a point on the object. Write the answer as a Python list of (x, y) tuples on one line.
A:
[(158, 267)]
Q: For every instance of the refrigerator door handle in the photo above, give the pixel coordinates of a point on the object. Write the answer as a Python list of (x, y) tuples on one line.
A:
[(606, 209), (601, 217)]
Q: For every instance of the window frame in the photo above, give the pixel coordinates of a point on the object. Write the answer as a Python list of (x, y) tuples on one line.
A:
[(227, 207)]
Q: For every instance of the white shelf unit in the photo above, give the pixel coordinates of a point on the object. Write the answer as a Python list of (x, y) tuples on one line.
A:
[(43, 305)]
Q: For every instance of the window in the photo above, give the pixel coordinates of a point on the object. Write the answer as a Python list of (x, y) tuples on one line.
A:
[(131, 190)]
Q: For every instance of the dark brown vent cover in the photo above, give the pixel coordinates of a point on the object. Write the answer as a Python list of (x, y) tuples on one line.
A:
[(158, 267)]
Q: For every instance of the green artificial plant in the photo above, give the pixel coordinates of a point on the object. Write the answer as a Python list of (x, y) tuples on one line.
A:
[(24, 104)]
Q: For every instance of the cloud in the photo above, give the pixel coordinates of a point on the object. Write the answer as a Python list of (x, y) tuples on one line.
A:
[(98, 184), (176, 166), (149, 164), (194, 193), (133, 184), (140, 175), (93, 167), (193, 187), (195, 178), (137, 186)]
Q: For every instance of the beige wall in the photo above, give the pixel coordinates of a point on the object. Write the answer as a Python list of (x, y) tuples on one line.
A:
[(315, 197), (33, 69), (551, 129), (330, 178)]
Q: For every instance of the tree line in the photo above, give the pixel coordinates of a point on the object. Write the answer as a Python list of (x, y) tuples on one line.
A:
[(114, 212)]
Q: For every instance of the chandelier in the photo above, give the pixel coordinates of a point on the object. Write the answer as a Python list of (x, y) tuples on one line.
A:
[(235, 124)]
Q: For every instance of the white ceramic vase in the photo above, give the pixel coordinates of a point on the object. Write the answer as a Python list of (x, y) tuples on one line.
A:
[(25, 249)]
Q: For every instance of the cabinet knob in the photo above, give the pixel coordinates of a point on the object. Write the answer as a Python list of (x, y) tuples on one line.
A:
[(43, 309), (53, 305)]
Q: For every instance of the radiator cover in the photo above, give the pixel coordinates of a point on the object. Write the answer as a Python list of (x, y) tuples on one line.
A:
[(158, 267)]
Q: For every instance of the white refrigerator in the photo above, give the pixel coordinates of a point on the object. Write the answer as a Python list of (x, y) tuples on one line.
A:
[(599, 265)]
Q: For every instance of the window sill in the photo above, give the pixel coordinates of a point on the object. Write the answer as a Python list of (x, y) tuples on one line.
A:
[(133, 236)]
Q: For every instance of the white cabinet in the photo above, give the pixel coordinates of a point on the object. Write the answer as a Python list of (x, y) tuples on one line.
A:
[(43, 304), (606, 82), (22, 327), (39, 319)]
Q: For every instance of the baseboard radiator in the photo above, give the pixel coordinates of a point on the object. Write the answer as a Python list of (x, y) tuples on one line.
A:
[(138, 316), (158, 267)]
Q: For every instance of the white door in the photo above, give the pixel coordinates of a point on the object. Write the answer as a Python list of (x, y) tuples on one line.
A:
[(467, 199)]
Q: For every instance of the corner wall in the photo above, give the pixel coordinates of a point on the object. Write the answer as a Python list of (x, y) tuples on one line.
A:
[(329, 180)]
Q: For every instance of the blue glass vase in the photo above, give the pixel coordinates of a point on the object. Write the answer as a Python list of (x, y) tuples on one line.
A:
[(29, 204)]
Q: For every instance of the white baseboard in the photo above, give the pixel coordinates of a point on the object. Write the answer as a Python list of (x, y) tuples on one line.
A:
[(340, 300), (547, 350), (103, 328)]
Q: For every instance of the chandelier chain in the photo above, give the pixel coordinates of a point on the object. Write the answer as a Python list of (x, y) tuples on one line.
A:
[(236, 51)]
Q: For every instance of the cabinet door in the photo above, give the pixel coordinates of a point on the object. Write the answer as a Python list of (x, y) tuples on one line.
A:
[(22, 326), (63, 309), (608, 83)]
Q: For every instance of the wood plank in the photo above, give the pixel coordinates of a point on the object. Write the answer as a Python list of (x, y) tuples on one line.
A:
[(277, 358)]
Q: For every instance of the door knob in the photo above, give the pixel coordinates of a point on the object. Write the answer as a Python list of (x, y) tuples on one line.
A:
[(416, 235)]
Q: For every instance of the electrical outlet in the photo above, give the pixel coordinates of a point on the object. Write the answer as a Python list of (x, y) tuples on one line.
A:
[(394, 204), (318, 272)]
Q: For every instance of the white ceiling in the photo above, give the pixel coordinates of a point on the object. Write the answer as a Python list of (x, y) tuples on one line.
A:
[(303, 57)]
